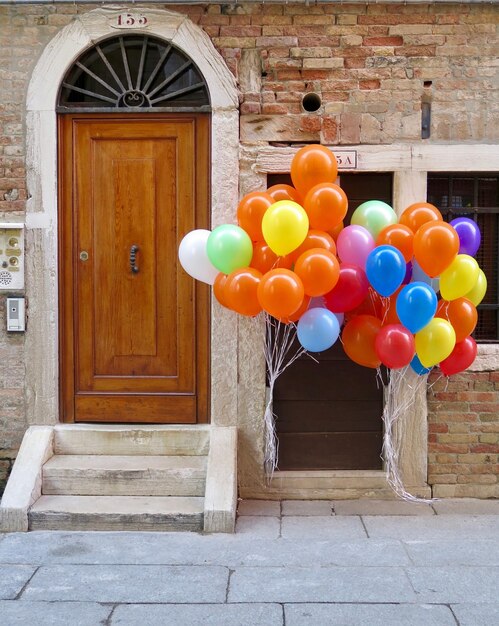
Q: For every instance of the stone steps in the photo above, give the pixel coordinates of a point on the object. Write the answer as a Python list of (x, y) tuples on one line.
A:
[(115, 513), (102, 475), (110, 439), (123, 477)]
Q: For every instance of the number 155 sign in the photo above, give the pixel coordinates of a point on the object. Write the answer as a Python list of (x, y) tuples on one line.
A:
[(128, 20)]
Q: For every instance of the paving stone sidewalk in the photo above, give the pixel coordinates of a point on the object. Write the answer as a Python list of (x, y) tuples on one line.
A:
[(357, 563)]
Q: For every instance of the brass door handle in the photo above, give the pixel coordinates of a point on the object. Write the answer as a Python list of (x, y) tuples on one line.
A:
[(133, 257)]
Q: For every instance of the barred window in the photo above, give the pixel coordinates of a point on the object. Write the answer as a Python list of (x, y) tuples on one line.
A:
[(475, 196)]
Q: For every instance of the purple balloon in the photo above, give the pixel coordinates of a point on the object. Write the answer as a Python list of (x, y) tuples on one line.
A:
[(408, 273), (469, 235)]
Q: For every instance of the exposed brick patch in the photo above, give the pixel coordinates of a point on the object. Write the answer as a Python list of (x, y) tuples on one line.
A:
[(369, 84), (463, 444)]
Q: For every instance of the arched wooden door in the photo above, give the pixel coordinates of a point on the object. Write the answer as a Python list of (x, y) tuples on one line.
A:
[(134, 327)]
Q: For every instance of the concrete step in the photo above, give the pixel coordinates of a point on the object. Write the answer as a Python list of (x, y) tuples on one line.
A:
[(115, 513), (115, 475), (132, 439)]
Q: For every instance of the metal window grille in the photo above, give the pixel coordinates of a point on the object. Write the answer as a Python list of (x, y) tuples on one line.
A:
[(475, 196), (133, 73)]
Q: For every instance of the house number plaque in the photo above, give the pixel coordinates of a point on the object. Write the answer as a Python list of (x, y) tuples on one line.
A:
[(128, 20)]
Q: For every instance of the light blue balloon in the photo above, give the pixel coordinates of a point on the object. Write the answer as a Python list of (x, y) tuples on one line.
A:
[(318, 329), (416, 306), (385, 269), (419, 276), (418, 367)]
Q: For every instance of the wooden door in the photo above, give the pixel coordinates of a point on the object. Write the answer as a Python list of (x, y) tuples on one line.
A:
[(134, 325), (328, 411)]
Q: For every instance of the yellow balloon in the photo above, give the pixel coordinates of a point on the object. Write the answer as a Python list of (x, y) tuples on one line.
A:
[(284, 226), (459, 278), (435, 342), (477, 294)]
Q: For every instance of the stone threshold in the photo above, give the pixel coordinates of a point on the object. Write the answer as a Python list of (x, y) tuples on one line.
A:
[(329, 485)]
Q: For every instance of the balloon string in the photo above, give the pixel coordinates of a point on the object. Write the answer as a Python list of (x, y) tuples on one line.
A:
[(394, 409), (279, 353)]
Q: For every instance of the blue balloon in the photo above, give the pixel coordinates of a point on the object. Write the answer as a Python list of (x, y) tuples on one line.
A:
[(385, 269), (419, 276), (418, 367), (318, 329), (416, 306)]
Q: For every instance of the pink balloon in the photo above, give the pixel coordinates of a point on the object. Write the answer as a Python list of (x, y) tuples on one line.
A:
[(354, 244)]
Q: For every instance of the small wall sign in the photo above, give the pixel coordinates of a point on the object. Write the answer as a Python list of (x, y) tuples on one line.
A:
[(128, 20), (347, 159)]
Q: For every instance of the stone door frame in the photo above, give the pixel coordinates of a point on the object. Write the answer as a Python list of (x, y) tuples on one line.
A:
[(42, 336)]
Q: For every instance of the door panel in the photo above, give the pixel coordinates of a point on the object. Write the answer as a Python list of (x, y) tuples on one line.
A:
[(134, 344), (328, 410)]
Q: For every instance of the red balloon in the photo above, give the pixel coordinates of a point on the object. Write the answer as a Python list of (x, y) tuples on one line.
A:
[(395, 346), (250, 213), (371, 305), (349, 291), (284, 192), (460, 358), (359, 337)]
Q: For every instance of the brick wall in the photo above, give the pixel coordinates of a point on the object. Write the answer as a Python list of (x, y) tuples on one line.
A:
[(369, 65), (463, 446)]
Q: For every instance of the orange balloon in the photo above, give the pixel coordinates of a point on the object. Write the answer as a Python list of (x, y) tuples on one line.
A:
[(326, 205), (297, 314), (418, 214), (461, 313), (264, 259), (334, 232), (319, 271), (399, 236), (280, 293), (315, 239), (359, 336), (241, 291), (219, 289), (284, 192), (250, 213), (312, 165), (436, 245)]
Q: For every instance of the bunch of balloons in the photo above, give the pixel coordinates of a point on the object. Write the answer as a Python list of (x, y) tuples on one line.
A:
[(291, 256)]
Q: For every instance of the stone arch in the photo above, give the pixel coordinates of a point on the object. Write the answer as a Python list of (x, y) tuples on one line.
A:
[(42, 389)]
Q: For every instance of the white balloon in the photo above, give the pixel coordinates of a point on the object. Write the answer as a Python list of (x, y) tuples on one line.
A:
[(193, 257)]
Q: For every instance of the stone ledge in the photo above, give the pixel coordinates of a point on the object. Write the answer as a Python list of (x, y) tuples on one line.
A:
[(25, 483)]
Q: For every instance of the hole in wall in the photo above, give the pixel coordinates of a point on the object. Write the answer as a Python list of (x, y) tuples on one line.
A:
[(311, 102), (427, 84)]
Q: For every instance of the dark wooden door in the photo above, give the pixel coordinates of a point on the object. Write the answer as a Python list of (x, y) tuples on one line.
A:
[(328, 413), (134, 331)]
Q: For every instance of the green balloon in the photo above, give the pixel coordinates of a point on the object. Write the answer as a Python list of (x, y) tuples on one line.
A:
[(374, 215), (229, 248)]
